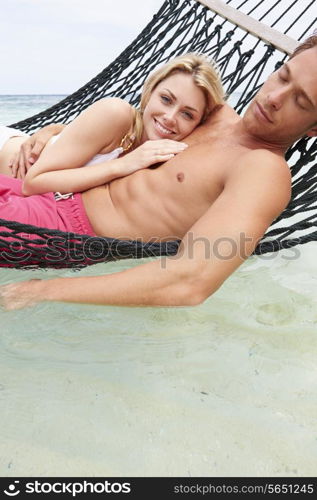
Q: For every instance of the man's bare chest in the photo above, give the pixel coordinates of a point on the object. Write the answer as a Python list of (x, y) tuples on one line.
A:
[(197, 172)]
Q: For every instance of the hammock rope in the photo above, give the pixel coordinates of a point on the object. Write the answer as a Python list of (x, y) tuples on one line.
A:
[(244, 60)]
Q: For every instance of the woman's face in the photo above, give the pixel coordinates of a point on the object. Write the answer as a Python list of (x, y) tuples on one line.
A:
[(175, 108)]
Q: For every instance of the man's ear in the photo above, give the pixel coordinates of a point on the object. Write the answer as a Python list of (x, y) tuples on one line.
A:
[(312, 132)]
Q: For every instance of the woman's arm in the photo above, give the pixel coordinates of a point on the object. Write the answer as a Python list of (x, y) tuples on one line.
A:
[(78, 180), (100, 127)]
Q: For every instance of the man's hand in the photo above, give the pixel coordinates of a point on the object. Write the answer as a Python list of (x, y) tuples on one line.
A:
[(19, 295), (31, 149)]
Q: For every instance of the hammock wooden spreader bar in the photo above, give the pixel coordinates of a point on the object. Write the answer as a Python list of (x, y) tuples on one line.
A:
[(248, 42), (269, 35)]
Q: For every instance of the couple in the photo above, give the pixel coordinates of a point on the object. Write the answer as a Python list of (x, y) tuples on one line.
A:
[(219, 194)]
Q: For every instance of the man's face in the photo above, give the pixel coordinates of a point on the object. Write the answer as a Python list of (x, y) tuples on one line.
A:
[(285, 108)]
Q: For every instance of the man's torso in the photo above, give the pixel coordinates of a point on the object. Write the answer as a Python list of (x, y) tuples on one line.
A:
[(163, 203)]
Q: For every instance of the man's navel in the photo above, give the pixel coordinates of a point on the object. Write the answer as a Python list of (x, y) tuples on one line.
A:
[(180, 176)]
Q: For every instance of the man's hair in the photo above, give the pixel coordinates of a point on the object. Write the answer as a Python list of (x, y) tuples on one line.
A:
[(309, 43)]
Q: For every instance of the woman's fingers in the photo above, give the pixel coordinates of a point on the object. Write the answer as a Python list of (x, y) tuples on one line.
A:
[(25, 154), (29, 152), (167, 141), (167, 144), (152, 152), (20, 163), (18, 167), (36, 150), (13, 165), (22, 170), (164, 147), (163, 156)]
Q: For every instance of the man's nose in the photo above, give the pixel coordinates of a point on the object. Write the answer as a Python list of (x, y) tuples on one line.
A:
[(277, 97)]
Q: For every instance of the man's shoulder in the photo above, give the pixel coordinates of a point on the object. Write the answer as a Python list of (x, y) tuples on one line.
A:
[(262, 163), (264, 157), (263, 176)]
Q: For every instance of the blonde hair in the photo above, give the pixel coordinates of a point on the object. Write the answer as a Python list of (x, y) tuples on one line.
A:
[(205, 75)]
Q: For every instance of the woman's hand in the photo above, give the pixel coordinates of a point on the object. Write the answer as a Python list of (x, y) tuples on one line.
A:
[(31, 149), (150, 153)]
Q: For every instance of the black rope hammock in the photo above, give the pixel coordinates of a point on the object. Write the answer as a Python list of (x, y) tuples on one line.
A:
[(244, 60)]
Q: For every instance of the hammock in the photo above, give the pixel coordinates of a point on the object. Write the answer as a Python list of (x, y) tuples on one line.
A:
[(248, 42)]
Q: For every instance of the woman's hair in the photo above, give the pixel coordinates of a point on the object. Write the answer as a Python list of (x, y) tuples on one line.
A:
[(205, 75)]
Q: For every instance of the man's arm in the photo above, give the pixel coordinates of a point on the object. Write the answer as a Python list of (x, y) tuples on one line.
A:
[(227, 234), (211, 251)]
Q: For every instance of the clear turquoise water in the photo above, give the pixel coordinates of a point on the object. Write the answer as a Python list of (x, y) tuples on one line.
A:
[(14, 108), (227, 388)]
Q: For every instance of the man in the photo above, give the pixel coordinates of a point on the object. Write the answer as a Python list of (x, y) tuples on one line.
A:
[(220, 195)]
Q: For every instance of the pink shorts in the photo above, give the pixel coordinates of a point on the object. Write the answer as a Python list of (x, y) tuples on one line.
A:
[(42, 210)]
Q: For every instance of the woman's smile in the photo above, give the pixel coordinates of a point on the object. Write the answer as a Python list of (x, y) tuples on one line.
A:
[(162, 129)]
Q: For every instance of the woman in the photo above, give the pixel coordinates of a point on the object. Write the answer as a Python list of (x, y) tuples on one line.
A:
[(175, 100)]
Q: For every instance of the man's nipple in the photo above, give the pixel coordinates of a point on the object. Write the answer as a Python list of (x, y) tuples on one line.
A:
[(180, 176)]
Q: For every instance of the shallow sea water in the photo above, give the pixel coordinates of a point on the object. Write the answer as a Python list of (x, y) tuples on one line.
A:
[(14, 108), (228, 388), (223, 389)]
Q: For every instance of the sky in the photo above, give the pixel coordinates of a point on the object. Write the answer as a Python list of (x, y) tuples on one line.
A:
[(56, 46)]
